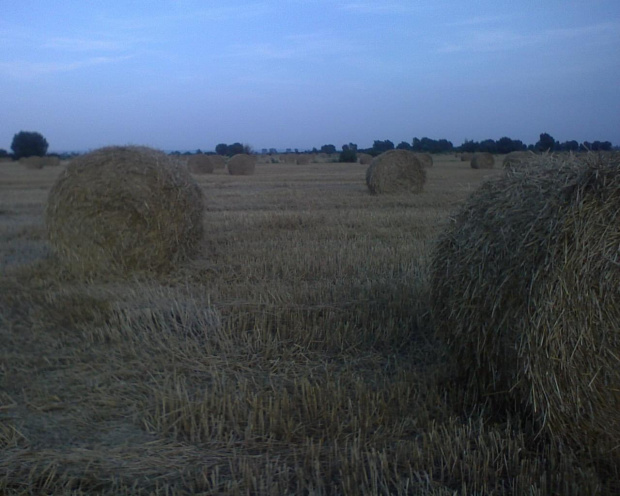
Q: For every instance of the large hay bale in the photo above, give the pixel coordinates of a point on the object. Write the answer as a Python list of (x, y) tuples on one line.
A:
[(119, 209), (482, 160), (218, 161), (200, 164), (426, 159), (395, 171), (526, 293), (241, 164), (515, 159), (364, 158)]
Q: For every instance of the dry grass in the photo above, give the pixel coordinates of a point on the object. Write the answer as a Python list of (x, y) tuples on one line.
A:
[(294, 356)]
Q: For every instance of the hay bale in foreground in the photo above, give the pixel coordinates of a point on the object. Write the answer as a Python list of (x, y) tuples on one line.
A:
[(482, 160), (241, 164), (515, 159), (119, 209), (200, 164), (525, 286), (426, 159), (395, 171)]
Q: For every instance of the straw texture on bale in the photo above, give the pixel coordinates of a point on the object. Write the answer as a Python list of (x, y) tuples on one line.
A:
[(218, 161), (241, 165), (119, 209), (426, 159), (200, 164), (395, 171), (514, 159), (525, 287), (482, 160), (466, 157)]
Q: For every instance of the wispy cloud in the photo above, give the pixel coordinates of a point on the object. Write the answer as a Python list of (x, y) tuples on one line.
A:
[(85, 44), (380, 7), (208, 14), (508, 39), (298, 47), (27, 70)]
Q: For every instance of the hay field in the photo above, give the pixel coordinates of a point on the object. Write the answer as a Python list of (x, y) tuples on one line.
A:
[(295, 355)]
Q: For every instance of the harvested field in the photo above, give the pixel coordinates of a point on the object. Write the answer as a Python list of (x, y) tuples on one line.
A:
[(294, 355)]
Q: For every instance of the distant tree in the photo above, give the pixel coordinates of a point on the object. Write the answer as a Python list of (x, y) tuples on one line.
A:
[(28, 144), (273, 151), (429, 145), (488, 146), (347, 154), (221, 149), (3, 153), (328, 149), (379, 146), (235, 149), (469, 146), (403, 145), (507, 145), (567, 146), (545, 143)]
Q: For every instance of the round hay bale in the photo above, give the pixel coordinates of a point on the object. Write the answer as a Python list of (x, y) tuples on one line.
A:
[(33, 163), (289, 158), (303, 159), (119, 209), (466, 157), (241, 164), (426, 159), (200, 164), (395, 171), (364, 158), (525, 285), (218, 161), (483, 160), (515, 159)]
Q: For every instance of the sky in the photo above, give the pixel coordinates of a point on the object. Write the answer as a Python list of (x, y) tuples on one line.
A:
[(189, 74)]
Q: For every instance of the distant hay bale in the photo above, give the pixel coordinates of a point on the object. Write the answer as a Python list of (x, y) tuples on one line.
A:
[(200, 164), (119, 209), (303, 159), (33, 163), (426, 159), (525, 285), (364, 158), (241, 164), (289, 158), (517, 158), (395, 171), (218, 161), (483, 160), (466, 157)]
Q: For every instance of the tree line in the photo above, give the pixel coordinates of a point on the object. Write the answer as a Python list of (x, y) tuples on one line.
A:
[(26, 144)]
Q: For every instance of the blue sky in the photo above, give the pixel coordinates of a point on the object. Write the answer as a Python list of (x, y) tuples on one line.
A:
[(188, 74)]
